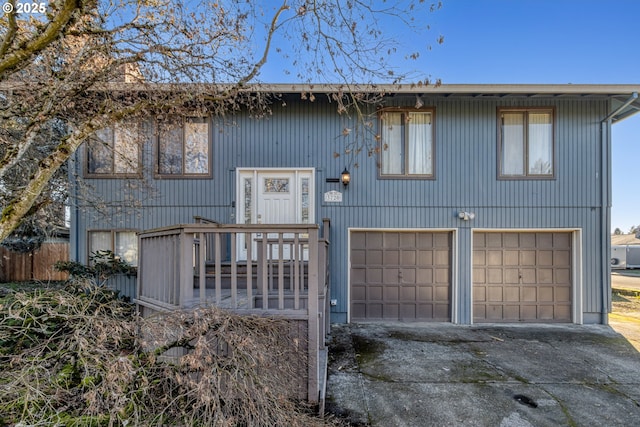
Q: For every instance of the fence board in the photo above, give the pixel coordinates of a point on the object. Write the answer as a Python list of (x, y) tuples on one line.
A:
[(37, 265)]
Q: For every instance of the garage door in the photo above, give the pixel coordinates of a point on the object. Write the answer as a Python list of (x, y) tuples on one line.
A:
[(400, 276), (522, 277)]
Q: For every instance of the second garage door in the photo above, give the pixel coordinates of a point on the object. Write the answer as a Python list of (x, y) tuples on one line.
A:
[(404, 275), (522, 277)]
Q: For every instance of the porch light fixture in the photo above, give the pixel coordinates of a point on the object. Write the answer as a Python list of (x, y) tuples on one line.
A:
[(345, 177)]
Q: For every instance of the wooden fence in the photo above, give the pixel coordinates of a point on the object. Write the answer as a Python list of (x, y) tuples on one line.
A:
[(37, 265)]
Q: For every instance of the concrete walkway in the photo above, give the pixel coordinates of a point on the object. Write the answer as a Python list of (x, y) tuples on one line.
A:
[(452, 375)]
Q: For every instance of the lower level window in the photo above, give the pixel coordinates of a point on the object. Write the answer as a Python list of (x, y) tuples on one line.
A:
[(123, 243)]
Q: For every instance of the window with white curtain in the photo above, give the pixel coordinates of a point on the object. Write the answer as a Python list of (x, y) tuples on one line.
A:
[(406, 143), (123, 243), (526, 143)]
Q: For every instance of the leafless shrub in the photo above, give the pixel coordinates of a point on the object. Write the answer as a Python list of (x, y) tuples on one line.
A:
[(82, 357)]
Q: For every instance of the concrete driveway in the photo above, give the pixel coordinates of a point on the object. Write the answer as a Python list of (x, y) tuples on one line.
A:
[(451, 375)]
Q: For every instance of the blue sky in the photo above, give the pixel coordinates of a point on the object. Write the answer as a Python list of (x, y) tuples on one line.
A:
[(541, 41)]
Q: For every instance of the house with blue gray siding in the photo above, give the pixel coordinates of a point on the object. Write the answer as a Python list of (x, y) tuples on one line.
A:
[(464, 204)]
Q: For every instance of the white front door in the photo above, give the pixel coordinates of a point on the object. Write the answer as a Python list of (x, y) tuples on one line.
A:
[(273, 196)]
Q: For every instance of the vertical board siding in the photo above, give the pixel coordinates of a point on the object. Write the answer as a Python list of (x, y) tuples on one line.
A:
[(305, 134)]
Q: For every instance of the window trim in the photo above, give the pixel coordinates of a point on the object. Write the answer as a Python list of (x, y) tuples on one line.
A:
[(114, 175), (432, 176), (526, 175), (112, 240), (182, 175)]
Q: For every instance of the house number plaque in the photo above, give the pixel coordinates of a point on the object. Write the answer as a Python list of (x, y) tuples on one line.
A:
[(333, 196)]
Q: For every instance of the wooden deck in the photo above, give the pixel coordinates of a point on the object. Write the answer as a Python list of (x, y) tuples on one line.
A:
[(284, 273)]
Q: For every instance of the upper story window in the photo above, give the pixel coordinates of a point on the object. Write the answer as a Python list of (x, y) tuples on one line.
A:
[(406, 145), (114, 152), (184, 148), (526, 143)]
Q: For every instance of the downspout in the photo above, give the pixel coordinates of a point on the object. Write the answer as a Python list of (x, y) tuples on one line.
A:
[(605, 203), (76, 210), (605, 129)]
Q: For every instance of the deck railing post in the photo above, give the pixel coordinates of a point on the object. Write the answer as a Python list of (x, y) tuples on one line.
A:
[(313, 312), (186, 267)]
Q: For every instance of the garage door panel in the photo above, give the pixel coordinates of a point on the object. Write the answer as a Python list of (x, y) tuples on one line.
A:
[(408, 293), (391, 257), (425, 258), (424, 276), (441, 240), (425, 293), (374, 310), (529, 313), (391, 241), (544, 240), (390, 276), (359, 293), (441, 257), (408, 257), (400, 275), (479, 276), (494, 275), (562, 294), (373, 257), (561, 240), (527, 240), (424, 240), (373, 239), (545, 258), (407, 240), (408, 275), (561, 258), (510, 241), (511, 275), (391, 293), (528, 275), (562, 312), (358, 241), (358, 310), (527, 257), (546, 312), (373, 275), (442, 294), (359, 275), (358, 256), (545, 275), (522, 277), (441, 312), (546, 294), (374, 293), (563, 276), (511, 294), (443, 276), (494, 294)]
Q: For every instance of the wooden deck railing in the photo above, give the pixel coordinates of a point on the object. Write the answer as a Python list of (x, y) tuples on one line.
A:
[(283, 272)]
